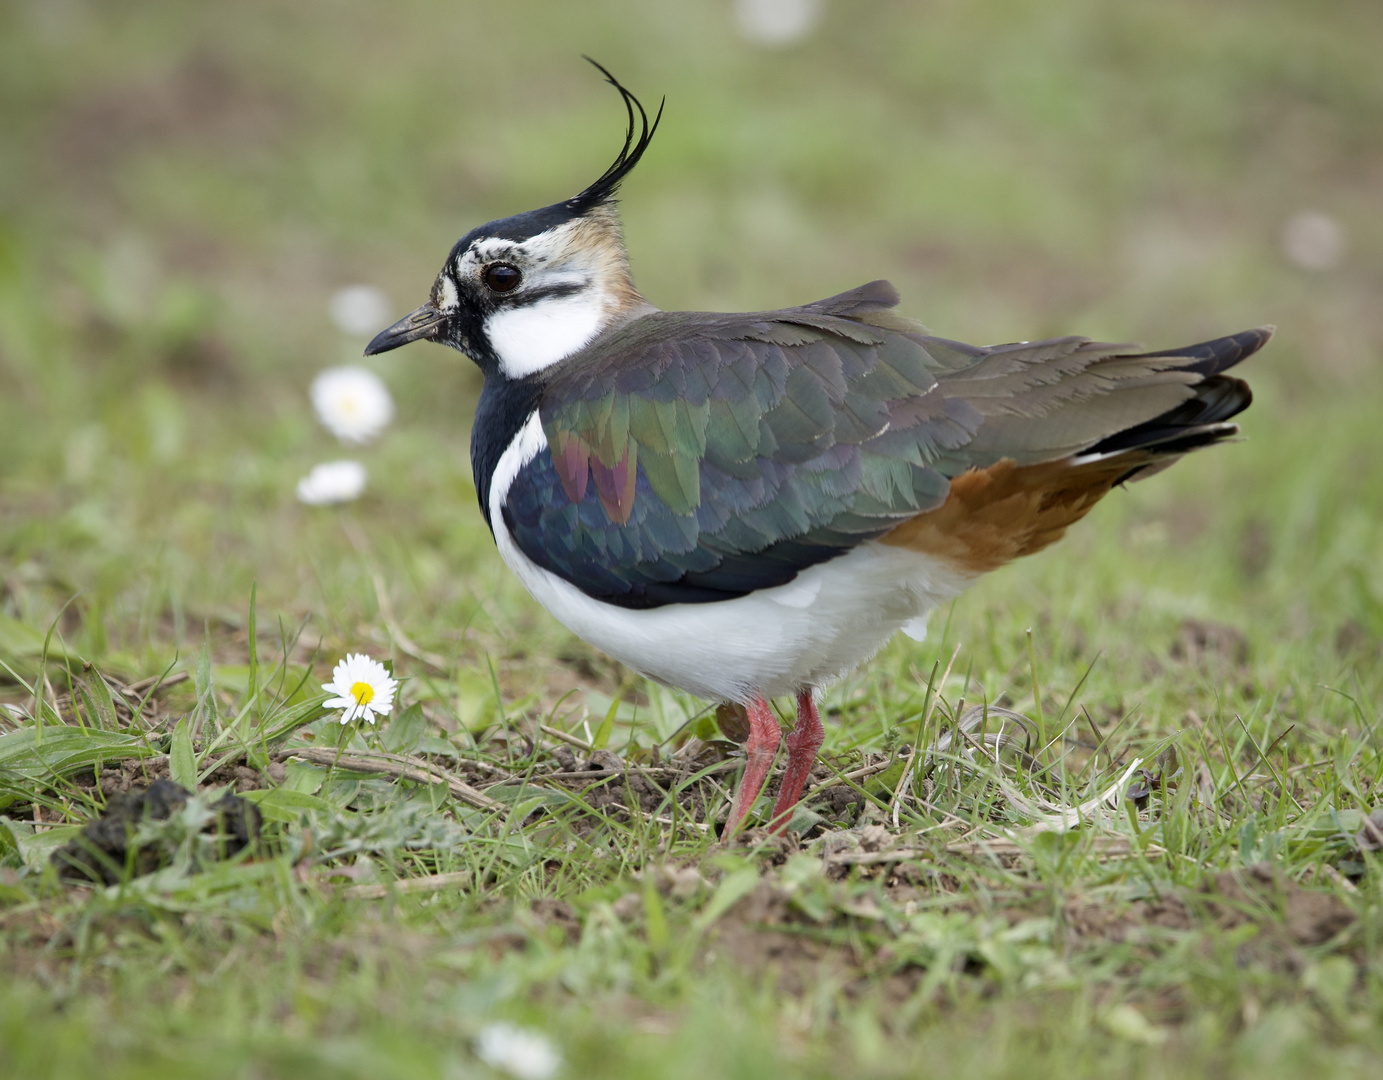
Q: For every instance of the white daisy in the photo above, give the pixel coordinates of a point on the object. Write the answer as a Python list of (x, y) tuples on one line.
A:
[(363, 688), (524, 1054), (332, 482), (1313, 241), (359, 309), (774, 24), (352, 403)]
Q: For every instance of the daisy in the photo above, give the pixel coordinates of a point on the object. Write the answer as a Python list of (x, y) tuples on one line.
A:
[(774, 24), (524, 1054), (363, 688), (331, 483), (359, 309), (352, 403)]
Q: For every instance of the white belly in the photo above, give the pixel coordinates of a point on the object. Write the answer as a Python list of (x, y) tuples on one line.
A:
[(824, 622)]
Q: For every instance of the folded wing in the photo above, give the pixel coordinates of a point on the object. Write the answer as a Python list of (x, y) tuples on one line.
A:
[(697, 457)]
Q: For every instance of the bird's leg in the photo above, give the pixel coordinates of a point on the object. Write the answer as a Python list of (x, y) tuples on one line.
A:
[(804, 741), (759, 750)]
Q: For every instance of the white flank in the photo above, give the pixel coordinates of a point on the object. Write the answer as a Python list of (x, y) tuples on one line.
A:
[(827, 620), (530, 338)]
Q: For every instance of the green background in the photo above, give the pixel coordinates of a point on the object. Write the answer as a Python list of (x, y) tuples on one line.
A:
[(184, 186)]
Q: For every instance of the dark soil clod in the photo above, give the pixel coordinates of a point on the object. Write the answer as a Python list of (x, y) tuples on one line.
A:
[(103, 852)]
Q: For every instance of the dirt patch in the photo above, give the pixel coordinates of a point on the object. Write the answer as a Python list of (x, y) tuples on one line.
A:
[(766, 937), (106, 849), (1290, 914), (1200, 641), (555, 916), (1260, 894), (135, 774)]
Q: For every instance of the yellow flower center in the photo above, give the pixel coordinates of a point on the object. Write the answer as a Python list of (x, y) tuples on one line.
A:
[(363, 693)]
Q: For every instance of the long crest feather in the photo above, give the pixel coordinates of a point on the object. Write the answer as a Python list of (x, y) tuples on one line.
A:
[(603, 190)]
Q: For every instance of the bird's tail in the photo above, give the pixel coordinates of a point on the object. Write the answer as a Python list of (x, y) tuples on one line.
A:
[(1010, 507), (1199, 421)]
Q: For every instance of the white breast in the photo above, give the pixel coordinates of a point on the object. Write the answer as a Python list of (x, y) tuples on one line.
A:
[(827, 620), (535, 336)]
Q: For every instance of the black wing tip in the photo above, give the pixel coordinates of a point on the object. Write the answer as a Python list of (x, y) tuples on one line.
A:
[(1220, 354), (605, 187), (1199, 421)]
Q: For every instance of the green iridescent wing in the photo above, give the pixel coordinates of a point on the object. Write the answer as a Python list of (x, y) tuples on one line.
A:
[(696, 457)]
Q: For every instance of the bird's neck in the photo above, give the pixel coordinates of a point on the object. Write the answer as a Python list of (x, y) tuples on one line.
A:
[(504, 407)]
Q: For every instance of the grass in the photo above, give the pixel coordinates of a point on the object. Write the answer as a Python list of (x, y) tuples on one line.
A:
[(185, 187)]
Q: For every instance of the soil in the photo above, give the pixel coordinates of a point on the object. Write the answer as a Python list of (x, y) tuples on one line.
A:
[(766, 937), (1201, 640), (102, 850), (134, 774)]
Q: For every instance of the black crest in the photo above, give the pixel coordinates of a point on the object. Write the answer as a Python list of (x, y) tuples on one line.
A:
[(522, 226), (603, 190)]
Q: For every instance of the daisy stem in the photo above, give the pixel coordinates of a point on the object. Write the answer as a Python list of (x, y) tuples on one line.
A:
[(340, 749)]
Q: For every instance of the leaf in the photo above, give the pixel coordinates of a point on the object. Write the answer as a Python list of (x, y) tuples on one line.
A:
[(705, 728), (300, 800), (733, 888), (1126, 1022), (182, 761), (58, 749), (283, 804), (206, 697), (406, 730), (1331, 979), (655, 918), (253, 631), (303, 778), (289, 720), (883, 783), (607, 727), (96, 695), (20, 640)]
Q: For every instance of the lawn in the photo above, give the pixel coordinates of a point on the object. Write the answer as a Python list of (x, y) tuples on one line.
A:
[(1112, 818)]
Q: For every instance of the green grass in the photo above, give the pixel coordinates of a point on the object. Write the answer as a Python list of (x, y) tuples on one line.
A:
[(183, 188)]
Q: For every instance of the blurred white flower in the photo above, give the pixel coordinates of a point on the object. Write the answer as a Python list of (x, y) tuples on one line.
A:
[(777, 23), (363, 687), (331, 483), (523, 1054), (352, 402), (1313, 241), (359, 310)]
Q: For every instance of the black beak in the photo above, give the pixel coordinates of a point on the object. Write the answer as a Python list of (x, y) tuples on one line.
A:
[(422, 323)]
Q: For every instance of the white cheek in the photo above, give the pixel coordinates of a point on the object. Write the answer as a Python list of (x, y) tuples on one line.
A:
[(531, 338), (448, 300)]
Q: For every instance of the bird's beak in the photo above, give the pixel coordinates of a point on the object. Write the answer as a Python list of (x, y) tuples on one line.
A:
[(422, 323)]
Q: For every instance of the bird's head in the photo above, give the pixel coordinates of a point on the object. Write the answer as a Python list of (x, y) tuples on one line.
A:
[(519, 294)]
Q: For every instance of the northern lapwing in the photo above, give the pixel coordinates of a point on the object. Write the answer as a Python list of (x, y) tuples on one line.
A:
[(749, 505)]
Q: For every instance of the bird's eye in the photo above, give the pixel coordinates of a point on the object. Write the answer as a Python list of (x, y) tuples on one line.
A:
[(501, 277)]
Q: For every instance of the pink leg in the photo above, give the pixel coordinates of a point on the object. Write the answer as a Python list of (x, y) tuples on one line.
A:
[(759, 750), (804, 741)]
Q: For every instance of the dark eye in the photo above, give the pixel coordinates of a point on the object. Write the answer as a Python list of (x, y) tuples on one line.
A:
[(501, 277)]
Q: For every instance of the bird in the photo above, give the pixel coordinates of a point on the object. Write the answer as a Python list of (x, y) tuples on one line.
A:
[(746, 506)]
